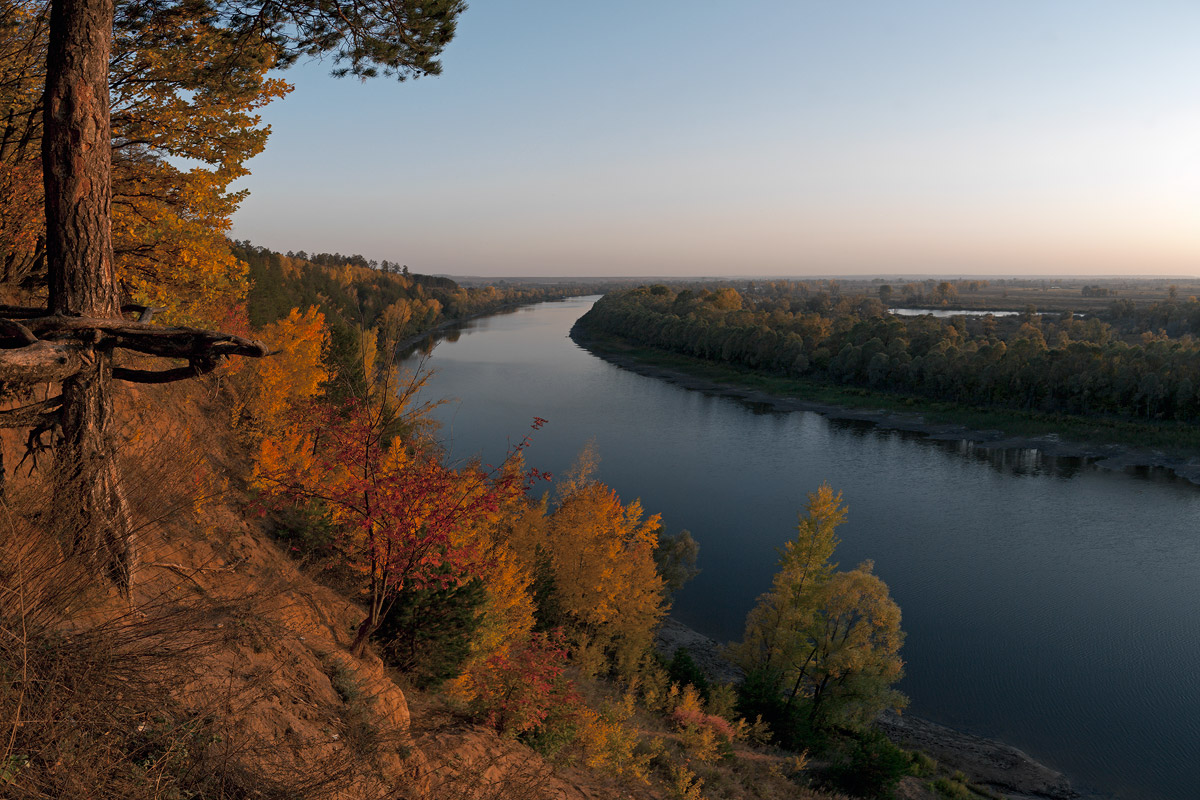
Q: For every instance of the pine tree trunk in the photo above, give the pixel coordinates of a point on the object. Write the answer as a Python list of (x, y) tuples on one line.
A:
[(77, 168), (97, 528), (77, 159)]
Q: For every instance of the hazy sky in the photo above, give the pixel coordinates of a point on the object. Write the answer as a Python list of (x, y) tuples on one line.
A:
[(783, 138)]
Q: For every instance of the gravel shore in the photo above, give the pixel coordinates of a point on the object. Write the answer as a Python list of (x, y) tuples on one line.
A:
[(987, 762)]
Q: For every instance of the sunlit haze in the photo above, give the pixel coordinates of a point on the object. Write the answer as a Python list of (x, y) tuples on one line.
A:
[(757, 138)]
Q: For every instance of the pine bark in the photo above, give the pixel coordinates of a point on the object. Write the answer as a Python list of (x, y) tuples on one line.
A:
[(77, 169), (77, 159)]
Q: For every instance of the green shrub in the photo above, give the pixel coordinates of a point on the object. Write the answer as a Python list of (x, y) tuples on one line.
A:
[(873, 768), (683, 670), (952, 789), (923, 766), (758, 697), (428, 632)]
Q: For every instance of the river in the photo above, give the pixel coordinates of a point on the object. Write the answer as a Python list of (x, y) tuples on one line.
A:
[(1048, 603)]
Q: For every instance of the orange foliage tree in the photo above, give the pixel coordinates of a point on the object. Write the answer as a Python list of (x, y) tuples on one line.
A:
[(182, 88), (601, 556), (395, 507), (270, 393)]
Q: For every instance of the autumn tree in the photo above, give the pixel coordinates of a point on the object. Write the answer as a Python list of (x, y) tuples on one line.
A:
[(184, 90), (181, 89), (22, 80), (804, 564), (852, 651), (600, 556), (269, 397), (74, 342), (397, 510), (828, 641)]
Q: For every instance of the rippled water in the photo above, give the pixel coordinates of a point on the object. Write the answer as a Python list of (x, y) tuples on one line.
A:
[(1048, 603)]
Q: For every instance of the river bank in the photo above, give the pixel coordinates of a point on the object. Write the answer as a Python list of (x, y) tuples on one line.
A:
[(407, 346), (993, 765), (1111, 456)]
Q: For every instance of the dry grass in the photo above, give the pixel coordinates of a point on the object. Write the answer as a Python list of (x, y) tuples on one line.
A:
[(195, 686)]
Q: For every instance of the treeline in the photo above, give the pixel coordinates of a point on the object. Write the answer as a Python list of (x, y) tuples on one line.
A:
[(1141, 362), (359, 302)]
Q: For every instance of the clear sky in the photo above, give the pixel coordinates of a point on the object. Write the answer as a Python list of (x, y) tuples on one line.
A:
[(673, 137)]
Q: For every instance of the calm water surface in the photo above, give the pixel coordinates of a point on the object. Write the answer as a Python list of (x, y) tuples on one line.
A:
[(944, 314), (1047, 602)]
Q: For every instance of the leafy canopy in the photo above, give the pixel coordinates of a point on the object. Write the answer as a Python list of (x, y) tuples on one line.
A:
[(823, 640)]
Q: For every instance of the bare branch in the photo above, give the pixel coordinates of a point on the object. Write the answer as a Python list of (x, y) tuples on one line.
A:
[(12, 328), (42, 362), (196, 367), (30, 415)]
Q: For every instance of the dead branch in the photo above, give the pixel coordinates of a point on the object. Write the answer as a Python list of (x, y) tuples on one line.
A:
[(56, 347), (42, 361), (31, 415), (195, 368)]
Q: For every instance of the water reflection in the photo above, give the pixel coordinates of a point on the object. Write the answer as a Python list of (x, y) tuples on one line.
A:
[(1160, 475), (944, 313), (1019, 460), (1006, 460), (764, 409)]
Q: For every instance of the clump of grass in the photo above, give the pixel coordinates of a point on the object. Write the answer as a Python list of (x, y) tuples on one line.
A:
[(952, 789)]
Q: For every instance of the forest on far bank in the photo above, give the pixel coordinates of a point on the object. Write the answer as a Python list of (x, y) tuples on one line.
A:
[(1128, 360)]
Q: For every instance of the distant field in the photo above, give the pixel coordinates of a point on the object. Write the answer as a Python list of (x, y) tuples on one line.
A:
[(1069, 296), (1014, 294)]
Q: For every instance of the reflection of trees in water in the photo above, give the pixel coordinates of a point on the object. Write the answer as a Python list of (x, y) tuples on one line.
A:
[(764, 409), (1018, 460), (858, 428), (424, 344), (1156, 475), (1006, 460), (421, 347)]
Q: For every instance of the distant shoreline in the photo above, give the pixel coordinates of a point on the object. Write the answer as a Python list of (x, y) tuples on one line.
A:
[(405, 347), (1106, 456)]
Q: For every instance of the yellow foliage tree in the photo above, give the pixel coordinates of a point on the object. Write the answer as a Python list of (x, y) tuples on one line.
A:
[(269, 391), (804, 566), (830, 639), (602, 556), (183, 88), (854, 650)]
